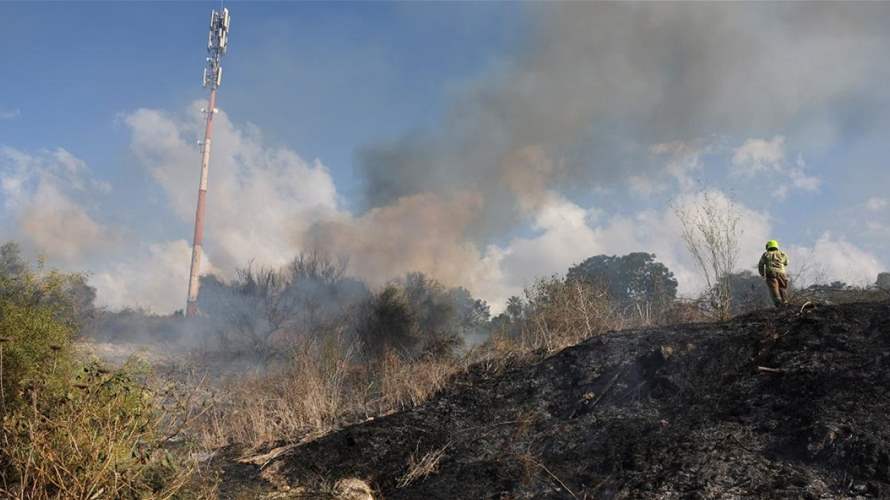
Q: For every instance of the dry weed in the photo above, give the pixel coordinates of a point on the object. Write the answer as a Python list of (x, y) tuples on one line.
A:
[(352, 489), (422, 466), (405, 384), (325, 386)]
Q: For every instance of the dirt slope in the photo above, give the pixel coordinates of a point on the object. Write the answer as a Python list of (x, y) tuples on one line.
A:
[(678, 412)]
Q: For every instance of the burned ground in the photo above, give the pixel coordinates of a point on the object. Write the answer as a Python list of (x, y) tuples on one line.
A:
[(776, 403)]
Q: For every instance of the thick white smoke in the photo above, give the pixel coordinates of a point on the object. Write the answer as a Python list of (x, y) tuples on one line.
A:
[(45, 204), (600, 97)]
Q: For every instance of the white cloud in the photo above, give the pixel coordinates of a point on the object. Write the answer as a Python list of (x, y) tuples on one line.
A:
[(47, 203), (567, 235), (261, 203), (781, 192), (683, 159), (753, 229), (260, 200), (152, 278), (645, 185), (758, 155), (834, 259), (267, 203), (10, 114), (876, 203), (766, 159), (43, 196), (802, 181)]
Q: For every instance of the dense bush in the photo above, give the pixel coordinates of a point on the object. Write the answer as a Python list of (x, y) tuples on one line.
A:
[(390, 324), (69, 429), (263, 309), (638, 284)]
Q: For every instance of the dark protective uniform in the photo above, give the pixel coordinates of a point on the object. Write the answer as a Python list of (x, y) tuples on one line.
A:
[(772, 267)]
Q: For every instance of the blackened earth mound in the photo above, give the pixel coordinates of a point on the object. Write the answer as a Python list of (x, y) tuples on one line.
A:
[(773, 404)]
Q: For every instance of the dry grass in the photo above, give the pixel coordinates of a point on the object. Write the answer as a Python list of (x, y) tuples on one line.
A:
[(329, 381), (559, 314), (421, 466), (405, 384), (324, 386), (307, 398), (97, 439), (352, 489)]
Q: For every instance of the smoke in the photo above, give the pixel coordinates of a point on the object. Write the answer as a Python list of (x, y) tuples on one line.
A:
[(766, 159), (261, 200), (266, 205), (151, 278), (599, 83), (602, 93), (599, 95), (832, 258), (44, 197)]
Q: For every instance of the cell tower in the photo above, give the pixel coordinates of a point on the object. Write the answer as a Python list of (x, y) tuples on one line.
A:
[(217, 41)]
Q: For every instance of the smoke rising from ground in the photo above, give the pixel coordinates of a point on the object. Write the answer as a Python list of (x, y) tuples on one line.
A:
[(260, 198), (609, 92), (45, 196), (599, 83), (600, 96)]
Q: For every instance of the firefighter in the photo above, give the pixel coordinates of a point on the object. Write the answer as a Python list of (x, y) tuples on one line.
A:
[(772, 267)]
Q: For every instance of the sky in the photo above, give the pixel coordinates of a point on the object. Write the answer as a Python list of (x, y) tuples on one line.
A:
[(485, 143)]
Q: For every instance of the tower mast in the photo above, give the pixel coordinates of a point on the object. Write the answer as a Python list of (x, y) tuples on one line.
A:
[(217, 41)]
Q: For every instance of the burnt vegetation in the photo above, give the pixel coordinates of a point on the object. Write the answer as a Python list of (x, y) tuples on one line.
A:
[(298, 380), (777, 403)]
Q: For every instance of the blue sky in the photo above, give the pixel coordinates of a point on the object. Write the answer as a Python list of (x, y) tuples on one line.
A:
[(488, 143), (321, 78)]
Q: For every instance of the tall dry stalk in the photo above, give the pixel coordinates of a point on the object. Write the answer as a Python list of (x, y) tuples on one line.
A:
[(421, 466), (711, 233), (3, 340)]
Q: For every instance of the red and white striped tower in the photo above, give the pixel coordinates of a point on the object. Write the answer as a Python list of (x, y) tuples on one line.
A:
[(217, 41)]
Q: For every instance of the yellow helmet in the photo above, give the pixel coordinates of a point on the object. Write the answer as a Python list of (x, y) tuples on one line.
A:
[(772, 244)]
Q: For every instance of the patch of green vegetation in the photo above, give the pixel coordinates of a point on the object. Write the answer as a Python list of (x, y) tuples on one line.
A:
[(69, 428)]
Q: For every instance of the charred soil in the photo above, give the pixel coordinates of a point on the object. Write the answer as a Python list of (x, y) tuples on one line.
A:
[(778, 403)]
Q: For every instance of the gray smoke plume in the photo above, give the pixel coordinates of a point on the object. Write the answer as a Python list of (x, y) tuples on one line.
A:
[(595, 93), (598, 84), (598, 94)]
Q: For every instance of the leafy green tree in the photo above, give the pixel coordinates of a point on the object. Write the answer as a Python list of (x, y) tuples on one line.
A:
[(68, 295), (515, 308), (636, 282), (33, 337), (446, 317), (389, 324)]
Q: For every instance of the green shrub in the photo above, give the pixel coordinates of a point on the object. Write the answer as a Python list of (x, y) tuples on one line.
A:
[(68, 428), (35, 334)]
